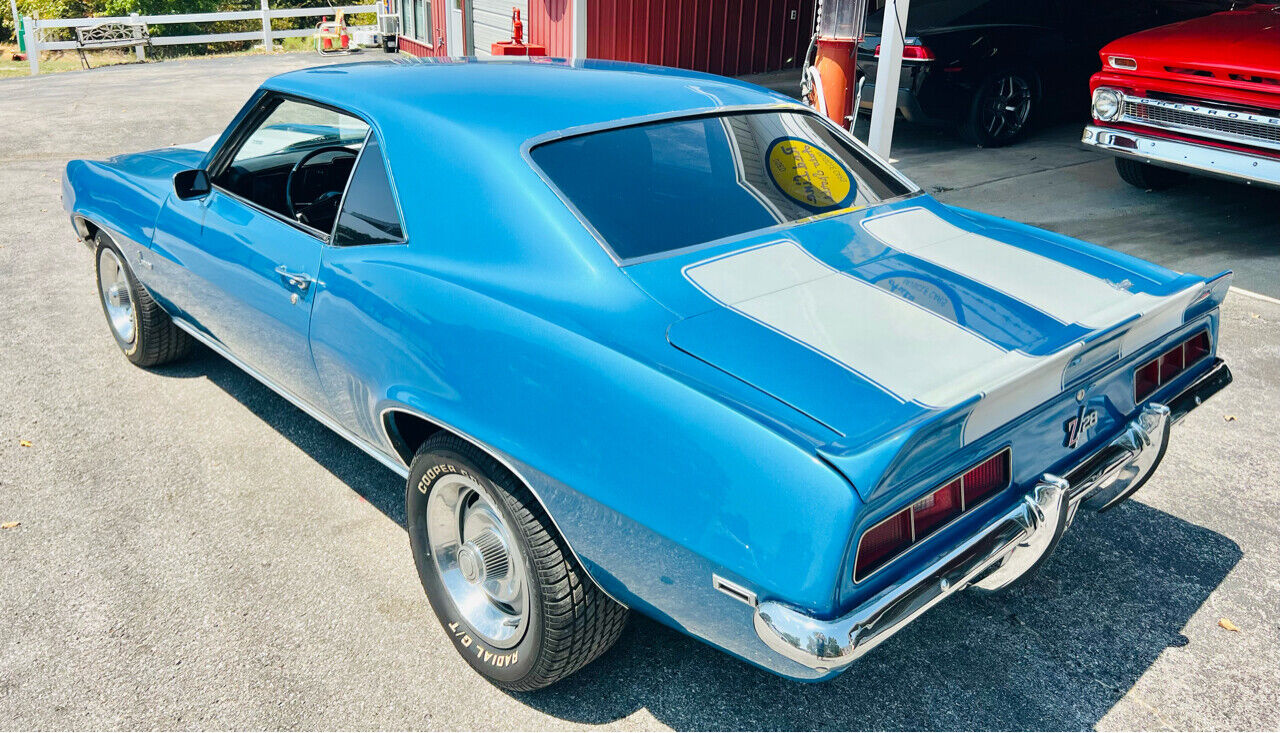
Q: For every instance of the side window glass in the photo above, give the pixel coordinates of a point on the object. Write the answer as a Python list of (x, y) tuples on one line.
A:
[(295, 161), (369, 214)]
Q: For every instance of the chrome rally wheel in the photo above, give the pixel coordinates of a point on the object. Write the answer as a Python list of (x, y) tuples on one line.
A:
[(511, 596), (141, 328), (117, 300), (478, 560)]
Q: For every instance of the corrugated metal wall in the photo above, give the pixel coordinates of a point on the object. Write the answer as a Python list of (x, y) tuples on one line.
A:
[(551, 24), (439, 22), (728, 37), (491, 21)]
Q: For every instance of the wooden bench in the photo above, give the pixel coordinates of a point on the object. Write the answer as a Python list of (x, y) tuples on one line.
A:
[(112, 34)]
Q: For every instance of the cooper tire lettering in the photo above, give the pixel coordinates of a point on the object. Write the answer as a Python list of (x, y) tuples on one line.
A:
[(534, 655)]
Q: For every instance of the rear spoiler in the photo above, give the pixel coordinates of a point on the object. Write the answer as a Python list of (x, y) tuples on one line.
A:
[(942, 433)]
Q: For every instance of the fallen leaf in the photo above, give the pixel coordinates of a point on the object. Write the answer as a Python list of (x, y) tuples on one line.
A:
[(1226, 624), (9, 525), (1229, 418), (24, 443)]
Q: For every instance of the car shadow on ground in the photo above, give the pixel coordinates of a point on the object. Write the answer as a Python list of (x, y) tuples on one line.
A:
[(1054, 654)]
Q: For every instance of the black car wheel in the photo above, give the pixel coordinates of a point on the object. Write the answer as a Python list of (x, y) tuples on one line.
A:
[(1002, 108), (1146, 176), (510, 594)]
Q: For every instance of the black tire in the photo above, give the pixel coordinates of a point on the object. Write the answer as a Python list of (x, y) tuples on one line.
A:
[(1146, 176), (571, 621), (154, 339), (989, 122)]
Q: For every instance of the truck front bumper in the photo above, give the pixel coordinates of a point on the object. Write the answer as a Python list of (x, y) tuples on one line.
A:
[(1202, 159), (1002, 551)]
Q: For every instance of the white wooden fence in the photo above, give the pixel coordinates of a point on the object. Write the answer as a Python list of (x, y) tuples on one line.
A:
[(36, 37)]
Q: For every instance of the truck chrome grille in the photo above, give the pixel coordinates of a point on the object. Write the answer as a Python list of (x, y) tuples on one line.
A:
[(1228, 125)]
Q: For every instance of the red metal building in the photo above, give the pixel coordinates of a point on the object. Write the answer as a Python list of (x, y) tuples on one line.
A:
[(731, 37)]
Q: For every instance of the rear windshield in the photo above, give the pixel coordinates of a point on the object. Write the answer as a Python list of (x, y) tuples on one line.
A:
[(655, 188)]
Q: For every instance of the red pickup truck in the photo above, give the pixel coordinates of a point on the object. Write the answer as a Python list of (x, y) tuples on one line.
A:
[(1200, 96)]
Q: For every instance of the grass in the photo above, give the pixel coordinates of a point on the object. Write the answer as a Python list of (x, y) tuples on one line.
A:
[(52, 61), (55, 61)]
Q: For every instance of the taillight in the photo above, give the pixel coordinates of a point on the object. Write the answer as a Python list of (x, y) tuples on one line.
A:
[(986, 479), (893, 536), (936, 509), (912, 52), (1147, 379), (883, 542), (1197, 348), (1166, 367)]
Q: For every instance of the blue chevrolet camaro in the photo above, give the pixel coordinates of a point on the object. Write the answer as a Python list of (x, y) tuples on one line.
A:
[(648, 339)]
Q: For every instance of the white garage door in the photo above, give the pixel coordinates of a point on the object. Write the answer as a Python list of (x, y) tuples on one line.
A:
[(491, 22)]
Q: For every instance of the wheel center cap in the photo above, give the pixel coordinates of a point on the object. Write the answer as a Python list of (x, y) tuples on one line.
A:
[(469, 563), (484, 558), (118, 296)]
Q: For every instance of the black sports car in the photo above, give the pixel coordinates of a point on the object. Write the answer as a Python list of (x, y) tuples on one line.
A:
[(994, 66)]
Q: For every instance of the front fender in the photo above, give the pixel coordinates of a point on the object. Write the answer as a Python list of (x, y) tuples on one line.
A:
[(122, 195)]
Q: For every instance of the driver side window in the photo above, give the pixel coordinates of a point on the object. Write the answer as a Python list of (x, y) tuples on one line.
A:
[(295, 161)]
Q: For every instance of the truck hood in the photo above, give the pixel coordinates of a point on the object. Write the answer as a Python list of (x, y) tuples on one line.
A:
[(1245, 42), (879, 323)]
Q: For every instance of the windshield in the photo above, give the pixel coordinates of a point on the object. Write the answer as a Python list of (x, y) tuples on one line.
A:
[(664, 186)]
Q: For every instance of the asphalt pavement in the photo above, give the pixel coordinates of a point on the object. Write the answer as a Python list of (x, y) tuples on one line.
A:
[(194, 552)]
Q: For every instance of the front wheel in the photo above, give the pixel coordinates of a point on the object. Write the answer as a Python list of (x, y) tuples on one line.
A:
[(506, 588), (1002, 108), (142, 330), (1146, 176)]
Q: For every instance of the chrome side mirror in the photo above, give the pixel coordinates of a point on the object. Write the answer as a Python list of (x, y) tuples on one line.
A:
[(191, 184)]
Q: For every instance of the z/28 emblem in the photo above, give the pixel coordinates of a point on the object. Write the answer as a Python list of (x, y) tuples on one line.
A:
[(1079, 427)]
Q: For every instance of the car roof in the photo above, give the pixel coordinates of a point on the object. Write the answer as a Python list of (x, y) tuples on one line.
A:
[(509, 102)]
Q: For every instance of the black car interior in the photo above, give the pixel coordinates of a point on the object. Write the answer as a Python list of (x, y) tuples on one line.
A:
[(304, 180)]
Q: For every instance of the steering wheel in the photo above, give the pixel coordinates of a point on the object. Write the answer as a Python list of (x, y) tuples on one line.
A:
[(301, 215)]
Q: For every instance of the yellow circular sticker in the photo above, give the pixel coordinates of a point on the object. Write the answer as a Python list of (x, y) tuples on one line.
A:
[(808, 174)]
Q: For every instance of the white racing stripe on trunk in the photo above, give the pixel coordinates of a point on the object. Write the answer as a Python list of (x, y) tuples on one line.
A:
[(909, 351), (1058, 290)]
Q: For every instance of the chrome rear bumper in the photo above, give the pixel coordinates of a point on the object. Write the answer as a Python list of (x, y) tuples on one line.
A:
[(1002, 551), (1202, 159)]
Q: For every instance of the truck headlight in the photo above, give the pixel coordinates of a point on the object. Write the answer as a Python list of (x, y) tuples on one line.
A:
[(1106, 104)]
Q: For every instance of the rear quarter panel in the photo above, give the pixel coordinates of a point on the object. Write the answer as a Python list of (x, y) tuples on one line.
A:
[(502, 319)]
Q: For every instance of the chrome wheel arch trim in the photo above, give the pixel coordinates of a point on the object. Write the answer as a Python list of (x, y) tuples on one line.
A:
[(502, 459)]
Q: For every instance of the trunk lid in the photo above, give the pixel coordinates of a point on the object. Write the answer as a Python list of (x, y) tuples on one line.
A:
[(880, 323)]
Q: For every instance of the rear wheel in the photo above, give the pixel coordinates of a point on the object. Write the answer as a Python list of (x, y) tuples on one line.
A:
[(1002, 108), (507, 590), (1146, 176), (142, 330)]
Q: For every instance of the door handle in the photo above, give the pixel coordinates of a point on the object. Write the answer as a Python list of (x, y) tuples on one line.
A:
[(299, 280)]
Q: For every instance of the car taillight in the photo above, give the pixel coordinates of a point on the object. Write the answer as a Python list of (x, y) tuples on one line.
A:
[(1166, 367), (883, 541), (936, 509), (893, 536), (1197, 348), (986, 479), (912, 52)]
